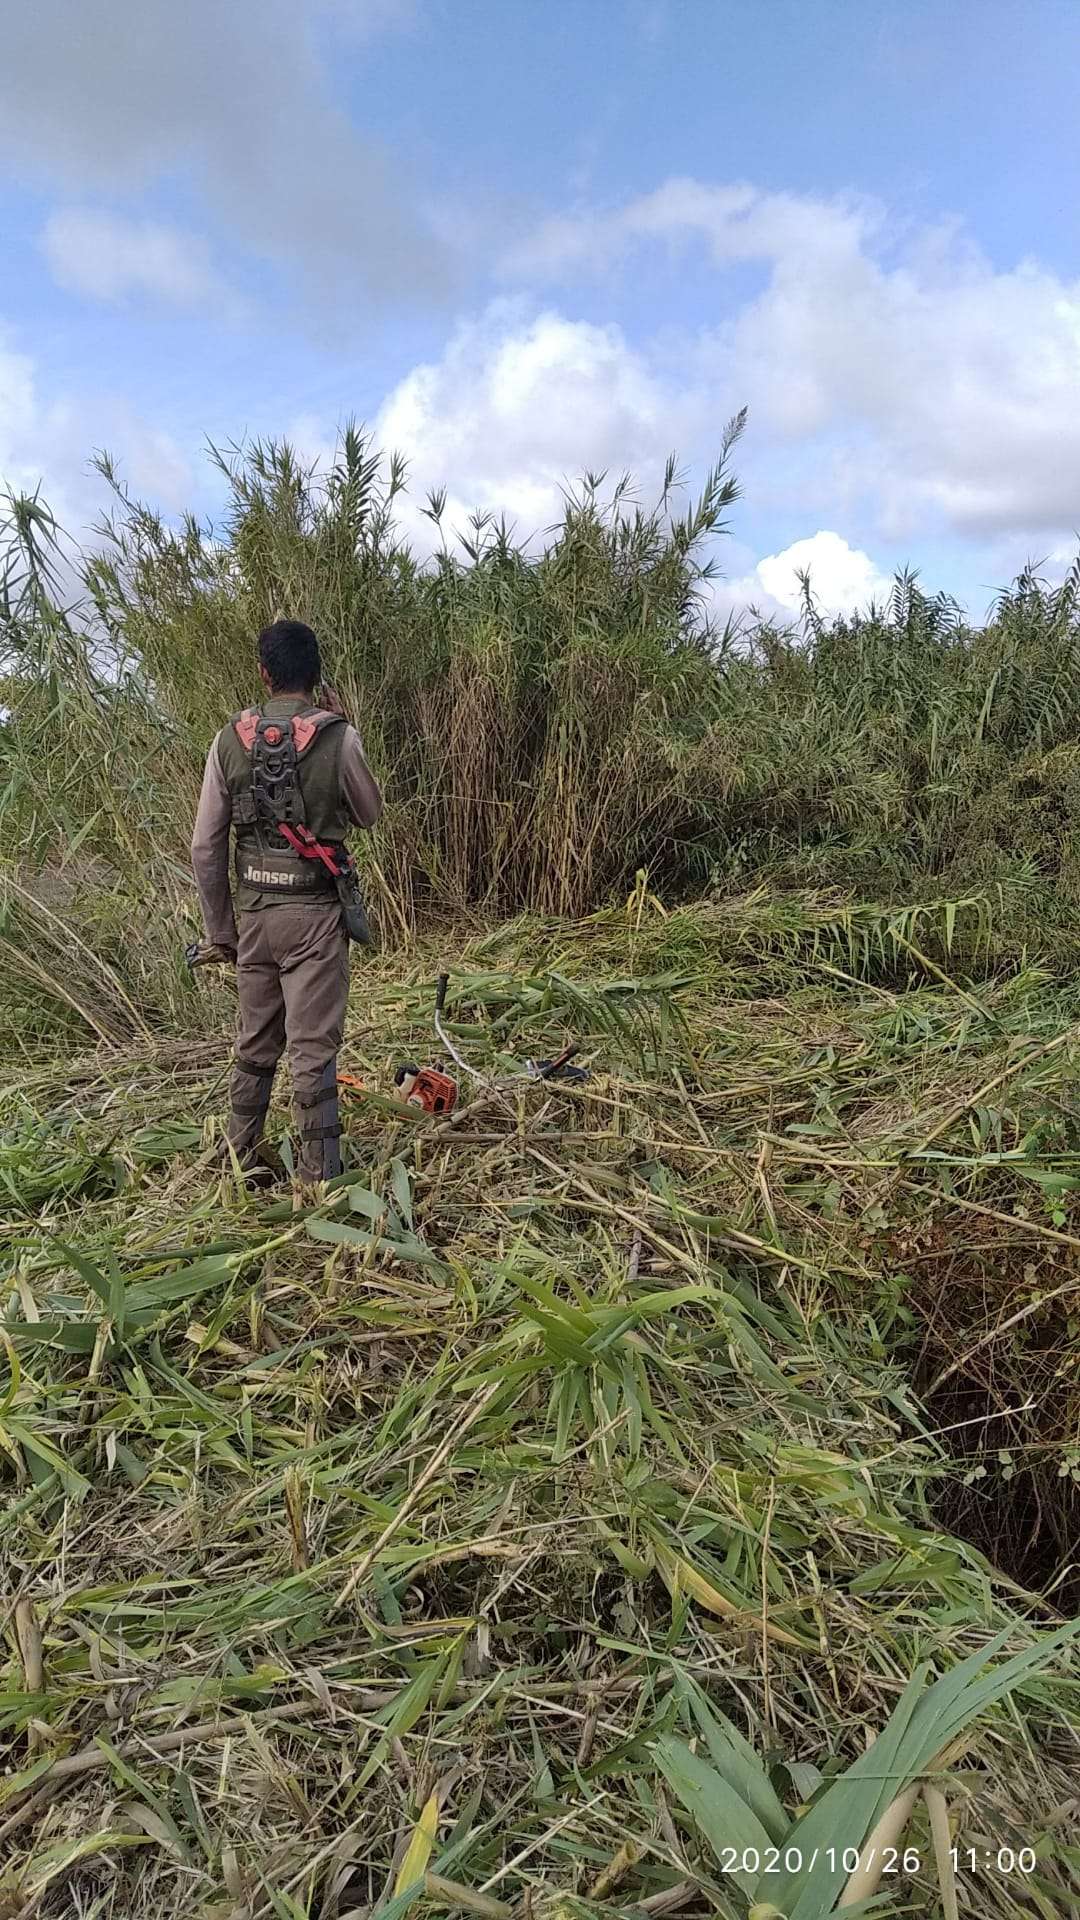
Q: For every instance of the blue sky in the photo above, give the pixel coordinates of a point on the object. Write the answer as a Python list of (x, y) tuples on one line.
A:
[(521, 240)]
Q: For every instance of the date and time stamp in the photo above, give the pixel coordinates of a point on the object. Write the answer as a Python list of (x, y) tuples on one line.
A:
[(904, 1861)]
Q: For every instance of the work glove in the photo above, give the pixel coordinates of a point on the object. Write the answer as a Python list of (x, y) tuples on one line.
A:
[(209, 953)]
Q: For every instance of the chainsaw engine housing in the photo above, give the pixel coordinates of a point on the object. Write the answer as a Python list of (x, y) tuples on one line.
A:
[(426, 1087)]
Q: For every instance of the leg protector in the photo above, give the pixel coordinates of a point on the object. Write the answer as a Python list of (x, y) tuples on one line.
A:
[(318, 1122), (251, 1089)]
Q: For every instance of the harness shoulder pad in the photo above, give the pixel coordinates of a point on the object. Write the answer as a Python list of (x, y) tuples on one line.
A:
[(244, 726), (306, 727)]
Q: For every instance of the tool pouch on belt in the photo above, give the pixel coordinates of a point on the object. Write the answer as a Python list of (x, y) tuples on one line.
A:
[(353, 911)]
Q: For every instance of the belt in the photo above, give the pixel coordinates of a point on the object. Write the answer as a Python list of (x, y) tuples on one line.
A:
[(280, 873)]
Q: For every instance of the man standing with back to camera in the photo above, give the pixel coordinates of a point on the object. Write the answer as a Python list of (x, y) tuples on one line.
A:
[(285, 778)]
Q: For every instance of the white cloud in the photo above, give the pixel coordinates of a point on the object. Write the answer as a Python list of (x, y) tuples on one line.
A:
[(843, 579), (111, 258), (522, 404), (931, 383), (47, 444), (235, 102), (518, 408), (737, 222)]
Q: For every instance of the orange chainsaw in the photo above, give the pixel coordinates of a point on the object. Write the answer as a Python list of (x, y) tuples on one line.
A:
[(431, 1089), (425, 1087), (435, 1091)]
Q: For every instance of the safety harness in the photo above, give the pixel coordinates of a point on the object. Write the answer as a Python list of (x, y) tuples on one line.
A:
[(287, 857)]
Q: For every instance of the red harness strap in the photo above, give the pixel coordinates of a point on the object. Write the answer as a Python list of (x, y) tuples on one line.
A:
[(303, 841)]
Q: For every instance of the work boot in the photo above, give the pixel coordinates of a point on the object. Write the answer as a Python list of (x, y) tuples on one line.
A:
[(258, 1170), (318, 1123)]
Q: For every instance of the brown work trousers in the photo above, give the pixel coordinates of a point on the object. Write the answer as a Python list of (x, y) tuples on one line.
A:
[(292, 976)]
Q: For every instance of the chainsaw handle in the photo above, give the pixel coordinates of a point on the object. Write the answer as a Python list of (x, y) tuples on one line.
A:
[(440, 991), (560, 1061)]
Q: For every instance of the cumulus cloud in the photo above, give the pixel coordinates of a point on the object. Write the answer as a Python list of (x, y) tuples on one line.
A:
[(843, 579), (522, 403), (931, 383), (111, 258), (519, 407), (234, 101)]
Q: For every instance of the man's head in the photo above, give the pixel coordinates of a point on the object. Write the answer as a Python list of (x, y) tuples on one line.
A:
[(289, 657)]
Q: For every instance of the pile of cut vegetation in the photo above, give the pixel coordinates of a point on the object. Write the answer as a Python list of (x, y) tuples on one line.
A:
[(546, 1520)]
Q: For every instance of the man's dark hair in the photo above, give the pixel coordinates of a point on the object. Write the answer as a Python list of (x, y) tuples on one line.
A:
[(290, 653)]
